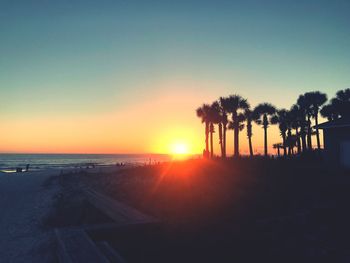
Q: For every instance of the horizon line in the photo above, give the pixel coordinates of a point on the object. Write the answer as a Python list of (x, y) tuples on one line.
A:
[(90, 153)]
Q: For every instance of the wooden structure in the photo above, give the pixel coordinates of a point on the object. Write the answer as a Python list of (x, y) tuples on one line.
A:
[(75, 244), (336, 136), (119, 212)]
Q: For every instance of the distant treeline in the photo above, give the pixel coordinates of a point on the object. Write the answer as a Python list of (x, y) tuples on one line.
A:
[(295, 125)]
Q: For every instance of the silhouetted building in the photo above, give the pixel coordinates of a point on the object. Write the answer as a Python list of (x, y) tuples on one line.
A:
[(336, 137)]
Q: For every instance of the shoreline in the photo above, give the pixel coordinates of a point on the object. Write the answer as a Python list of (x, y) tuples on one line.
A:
[(10, 162), (51, 170)]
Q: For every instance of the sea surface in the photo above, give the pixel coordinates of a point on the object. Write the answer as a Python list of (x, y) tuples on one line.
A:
[(9, 162)]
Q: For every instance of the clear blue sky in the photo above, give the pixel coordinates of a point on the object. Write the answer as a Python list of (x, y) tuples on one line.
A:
[(76, 57)]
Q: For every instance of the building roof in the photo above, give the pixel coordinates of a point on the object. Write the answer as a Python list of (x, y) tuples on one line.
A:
[(338, 123)]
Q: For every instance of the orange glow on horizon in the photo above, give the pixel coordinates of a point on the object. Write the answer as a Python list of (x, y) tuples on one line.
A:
[(155, 125)]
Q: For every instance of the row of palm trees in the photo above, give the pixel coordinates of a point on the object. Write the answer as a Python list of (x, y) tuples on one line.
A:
[(295, 125)]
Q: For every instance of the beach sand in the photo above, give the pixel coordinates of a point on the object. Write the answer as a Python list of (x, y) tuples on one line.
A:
[(207, 208), (25, 201), (236, 210)]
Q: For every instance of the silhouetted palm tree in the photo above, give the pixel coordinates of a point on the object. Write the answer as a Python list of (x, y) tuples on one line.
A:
[(265, 111), (338, 106), (211, 131), (296, 118), (215, 118), (250, 117), (290, 125), (236, 106), (315, 99), (305, 102), (291, 142), (225, 106), (203, 112), (330, 111), (343, 101), (224, 121), (281, 118), (305, 126), (278, 146)]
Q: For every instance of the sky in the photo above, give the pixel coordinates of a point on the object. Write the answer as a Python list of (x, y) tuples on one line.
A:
[(126, 76)]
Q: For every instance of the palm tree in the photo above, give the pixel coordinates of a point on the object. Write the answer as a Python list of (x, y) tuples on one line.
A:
[(278, 146), (281, 118), (203, 112), (215, 118), (224, 121), (236, 104), (264, 111), (338, 106), (296, 118), (291, 142), (211, 131), (225, 106), (316, 99), (305, 126), (290, 125), (330, 111), (305, 102), (343, 101), (250, 117)]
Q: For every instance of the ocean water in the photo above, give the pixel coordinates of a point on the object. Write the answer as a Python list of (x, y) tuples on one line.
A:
[(9, 162)]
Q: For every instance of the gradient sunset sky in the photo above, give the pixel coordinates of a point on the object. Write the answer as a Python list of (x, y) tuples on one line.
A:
[(127, 76)]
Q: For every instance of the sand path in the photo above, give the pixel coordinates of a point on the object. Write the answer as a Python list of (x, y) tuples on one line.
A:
[(24, 203)]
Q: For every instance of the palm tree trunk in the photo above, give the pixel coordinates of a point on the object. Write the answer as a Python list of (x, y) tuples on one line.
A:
[(317, 132), (250, 146), (224, 140), (211, 140), (278, 151), (265, 140), (249, 135), (236, 141), (220, 140), (284, 143), (303, 141), (309, 142), (235, 134), (289, 139), (206, 139), (298, 140), (303, 136)]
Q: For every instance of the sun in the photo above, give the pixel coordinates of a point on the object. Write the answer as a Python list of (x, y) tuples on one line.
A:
[(179, 148)]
